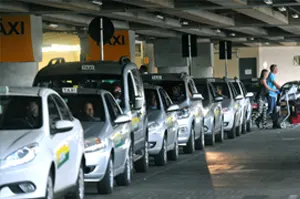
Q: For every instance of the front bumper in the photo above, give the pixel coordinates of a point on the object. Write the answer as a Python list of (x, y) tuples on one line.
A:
[(34, 176), (228, 121), (184, 131), (96, 163), (155, 140)]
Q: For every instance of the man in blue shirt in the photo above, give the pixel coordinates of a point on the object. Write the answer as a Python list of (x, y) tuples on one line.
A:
[(272, 96)]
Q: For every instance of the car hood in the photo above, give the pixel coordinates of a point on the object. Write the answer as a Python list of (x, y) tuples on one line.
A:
[(92, 129), (154, 115), (12, 140)]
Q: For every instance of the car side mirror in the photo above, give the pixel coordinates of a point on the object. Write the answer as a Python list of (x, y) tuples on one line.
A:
[(63, 126), (238, 97), (197, 96), (138, 102), (122, 119), (173, 108), (249, 95), (219, 99)]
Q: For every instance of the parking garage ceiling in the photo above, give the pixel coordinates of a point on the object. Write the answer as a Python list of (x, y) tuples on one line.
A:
[(244, 22)]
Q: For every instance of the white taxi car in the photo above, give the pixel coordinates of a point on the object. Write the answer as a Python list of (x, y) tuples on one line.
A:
[(41, 146)]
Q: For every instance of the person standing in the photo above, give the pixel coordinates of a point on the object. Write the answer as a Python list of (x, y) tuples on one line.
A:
[(261, 115), (272, 97)]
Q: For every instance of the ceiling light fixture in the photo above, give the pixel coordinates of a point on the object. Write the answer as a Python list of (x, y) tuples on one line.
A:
[(295, 16), (99, 3), (218, 31), (160, 17), (251, 38), (185, 23), (52, 25), (269, 2), (282, 9), (232, 34), (267, 43)]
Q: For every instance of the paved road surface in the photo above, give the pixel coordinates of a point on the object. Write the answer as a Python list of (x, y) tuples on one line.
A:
[(258, 165)]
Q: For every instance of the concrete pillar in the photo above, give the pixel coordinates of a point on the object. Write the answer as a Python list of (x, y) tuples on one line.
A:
[(203, 64), (168, 56), (21, 49), (121, 44), (149, 53)]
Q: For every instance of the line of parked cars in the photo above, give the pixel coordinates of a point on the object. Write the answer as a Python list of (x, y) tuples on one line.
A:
[(99, 122)]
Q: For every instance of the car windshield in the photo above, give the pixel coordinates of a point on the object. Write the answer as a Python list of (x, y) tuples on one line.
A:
[(20, 112), (175, 89), (252, 87), (222, 89), (237, 88), (202, 89), (87, 108), (152, 99)]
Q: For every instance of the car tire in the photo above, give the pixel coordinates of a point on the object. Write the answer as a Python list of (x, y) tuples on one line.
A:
[(142, 165), (50, 188), (106, 185), (174, 153), (79, 190), (210, 139), (238, 130), (124, 179), (249, 126), (220, 136), (161, 159), (232, 134), (200, 142), (190, 145)]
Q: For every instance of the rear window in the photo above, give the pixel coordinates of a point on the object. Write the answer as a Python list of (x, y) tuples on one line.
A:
[(86, 107)]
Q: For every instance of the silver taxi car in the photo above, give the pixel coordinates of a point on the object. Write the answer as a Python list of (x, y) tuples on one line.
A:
[(108, 146), (213, 113), (162, 125), (181, 88), (231, 107), (41, 146)]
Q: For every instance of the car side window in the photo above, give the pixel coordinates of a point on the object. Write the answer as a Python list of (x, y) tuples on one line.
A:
[(234, 92), (53, 113), (132, 90), (243, 88), (113, 108), (212, 91), (138, 82), (163, 98), (64, 110)]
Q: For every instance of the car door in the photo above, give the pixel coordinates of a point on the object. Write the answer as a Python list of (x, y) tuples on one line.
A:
[(197, 108), (118, 135), (62, 148), (170, 118), (216, 107)]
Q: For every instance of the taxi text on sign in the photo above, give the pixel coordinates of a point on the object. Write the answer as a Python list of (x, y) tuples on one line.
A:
[(119, 45), (15, 39)]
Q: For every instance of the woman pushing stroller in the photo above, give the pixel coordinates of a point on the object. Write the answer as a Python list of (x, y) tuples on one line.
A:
[(261, 115)]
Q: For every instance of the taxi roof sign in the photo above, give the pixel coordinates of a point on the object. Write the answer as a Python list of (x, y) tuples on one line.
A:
[(69, 90), (88, 67), (4, 90)]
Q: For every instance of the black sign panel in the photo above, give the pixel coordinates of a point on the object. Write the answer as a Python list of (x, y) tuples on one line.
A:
[(108, 29)]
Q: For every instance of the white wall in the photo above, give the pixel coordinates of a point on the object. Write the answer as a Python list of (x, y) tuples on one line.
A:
[(283, 57)]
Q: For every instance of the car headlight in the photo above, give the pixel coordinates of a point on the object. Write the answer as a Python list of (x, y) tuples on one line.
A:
[(93, 145), (22, 156), (152, 126), (183, 113)]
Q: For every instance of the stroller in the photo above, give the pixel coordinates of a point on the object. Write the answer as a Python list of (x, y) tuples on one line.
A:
[(290, 108)]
